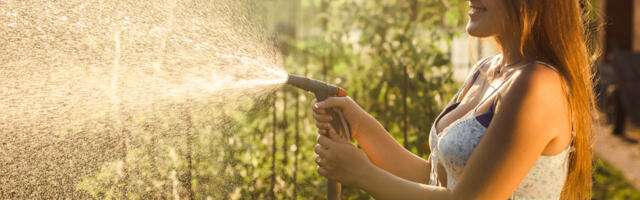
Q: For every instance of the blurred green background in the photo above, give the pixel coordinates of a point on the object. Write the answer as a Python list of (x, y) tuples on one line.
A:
[(393, 56)]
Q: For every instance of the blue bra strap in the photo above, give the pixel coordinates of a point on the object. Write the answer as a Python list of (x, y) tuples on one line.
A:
[(465, 84), (475, 76)]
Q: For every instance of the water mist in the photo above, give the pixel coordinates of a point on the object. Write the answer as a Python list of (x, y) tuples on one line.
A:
[(89, 88)]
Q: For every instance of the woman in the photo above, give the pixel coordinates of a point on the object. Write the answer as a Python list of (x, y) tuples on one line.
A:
[(518, 128)]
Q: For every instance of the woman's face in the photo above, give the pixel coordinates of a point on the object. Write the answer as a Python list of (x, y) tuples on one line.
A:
[(486, 18)]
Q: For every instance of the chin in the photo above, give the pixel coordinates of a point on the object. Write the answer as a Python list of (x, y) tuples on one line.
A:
[(478, 30)]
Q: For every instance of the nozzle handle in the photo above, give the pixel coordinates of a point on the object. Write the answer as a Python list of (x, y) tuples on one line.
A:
[(323, 91)]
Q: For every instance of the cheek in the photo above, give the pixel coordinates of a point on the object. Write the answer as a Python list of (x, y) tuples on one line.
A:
[(485, 25), (489, 23)]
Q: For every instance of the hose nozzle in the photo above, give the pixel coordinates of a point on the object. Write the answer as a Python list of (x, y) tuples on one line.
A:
[(321, 89)]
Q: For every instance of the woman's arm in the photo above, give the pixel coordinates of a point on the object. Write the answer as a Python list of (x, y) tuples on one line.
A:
[(388, 154), (382, 149), (531, 115), (340, 160), (383, 185)]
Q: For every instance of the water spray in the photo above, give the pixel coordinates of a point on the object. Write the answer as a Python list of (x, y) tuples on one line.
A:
[(323, 91)]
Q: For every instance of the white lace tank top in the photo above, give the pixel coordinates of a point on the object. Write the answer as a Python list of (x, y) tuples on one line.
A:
[(452, 149)]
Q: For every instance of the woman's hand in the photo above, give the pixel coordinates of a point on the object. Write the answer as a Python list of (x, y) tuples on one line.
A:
[(355, 115), (341, 161), (381, 149)]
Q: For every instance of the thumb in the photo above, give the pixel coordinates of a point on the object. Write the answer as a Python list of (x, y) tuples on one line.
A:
[(340, 102)]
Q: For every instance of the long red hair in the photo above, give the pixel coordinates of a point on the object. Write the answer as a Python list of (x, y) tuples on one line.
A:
[(553, 31)]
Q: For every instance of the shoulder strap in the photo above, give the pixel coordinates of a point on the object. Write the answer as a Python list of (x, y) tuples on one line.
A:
[(477, 69), (496, 90), (475, 76), (547, 65)]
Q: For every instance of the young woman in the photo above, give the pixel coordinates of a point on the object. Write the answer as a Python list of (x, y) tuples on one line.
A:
[(519, 127)]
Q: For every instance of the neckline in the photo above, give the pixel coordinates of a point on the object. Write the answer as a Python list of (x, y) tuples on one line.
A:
[(472, 113), (474, 109), (465, 88)]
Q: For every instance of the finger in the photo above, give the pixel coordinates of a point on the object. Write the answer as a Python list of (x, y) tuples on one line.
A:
[(323, 125), (322, 117), (318, 110), (322, 132), (331, 102), (322, 171), (318, 141), (327, 127), (321, 151), (325, 141), (315, 108), (319, 161), (327, 130)]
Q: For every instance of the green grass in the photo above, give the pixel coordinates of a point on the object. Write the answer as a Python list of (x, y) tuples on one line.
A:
[(610, 184)]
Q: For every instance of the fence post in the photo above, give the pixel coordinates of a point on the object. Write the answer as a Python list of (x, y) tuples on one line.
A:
[(189, 141), (284, 127), (273, 149), (297, 144)]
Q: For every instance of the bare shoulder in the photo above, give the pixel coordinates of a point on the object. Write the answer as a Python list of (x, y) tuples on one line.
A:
[(539, 84), (537, 97), (537, 81)]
